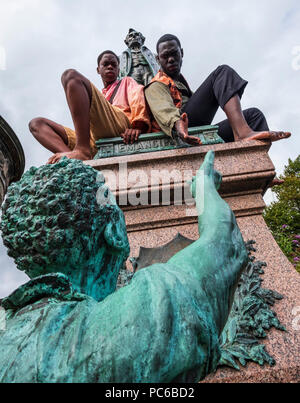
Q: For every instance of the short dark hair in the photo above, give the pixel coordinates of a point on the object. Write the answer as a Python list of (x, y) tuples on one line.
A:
[(166, 38), (105, 53)]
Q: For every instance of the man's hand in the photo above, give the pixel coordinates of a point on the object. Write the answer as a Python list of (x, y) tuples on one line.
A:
[(130, 135), (181, 127), (77, 154)]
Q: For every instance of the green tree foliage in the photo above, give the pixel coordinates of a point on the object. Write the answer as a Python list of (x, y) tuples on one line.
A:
[(283, 216)]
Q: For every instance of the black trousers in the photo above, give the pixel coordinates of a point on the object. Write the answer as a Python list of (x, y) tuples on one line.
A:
[(220, 86)]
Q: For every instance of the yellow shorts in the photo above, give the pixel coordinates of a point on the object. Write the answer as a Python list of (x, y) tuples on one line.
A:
[(106, 121)]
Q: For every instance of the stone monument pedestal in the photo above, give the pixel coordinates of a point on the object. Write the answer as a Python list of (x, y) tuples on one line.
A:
[(247, 172), (12, 159)]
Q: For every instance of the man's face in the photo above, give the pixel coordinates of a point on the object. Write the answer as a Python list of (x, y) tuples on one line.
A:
[(134, 38), (170, 58), (108, 68)]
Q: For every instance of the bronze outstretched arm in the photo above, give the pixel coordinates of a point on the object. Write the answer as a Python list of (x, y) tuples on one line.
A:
[(164, 326), (169, 318), (217, 259)]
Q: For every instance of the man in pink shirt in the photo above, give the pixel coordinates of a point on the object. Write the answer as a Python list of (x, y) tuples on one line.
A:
[(120, 110)]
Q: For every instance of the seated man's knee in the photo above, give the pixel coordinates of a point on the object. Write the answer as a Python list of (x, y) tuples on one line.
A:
[(256, 119), (223, 67), (35, 125), (253, 112), (68, 75)]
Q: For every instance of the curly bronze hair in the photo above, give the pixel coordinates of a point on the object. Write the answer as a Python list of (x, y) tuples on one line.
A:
[(52, 219)]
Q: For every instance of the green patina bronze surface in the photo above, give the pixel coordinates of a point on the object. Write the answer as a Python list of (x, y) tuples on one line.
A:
[(250, 317), (52, 220), (12, 159), (114, 147), (68, 324), (137, 61), (251, 314)]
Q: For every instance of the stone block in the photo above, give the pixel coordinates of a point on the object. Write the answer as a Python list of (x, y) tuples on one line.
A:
[(247, 172)]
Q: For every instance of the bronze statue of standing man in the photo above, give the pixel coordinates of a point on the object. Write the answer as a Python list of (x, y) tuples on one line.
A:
[(137, 61)]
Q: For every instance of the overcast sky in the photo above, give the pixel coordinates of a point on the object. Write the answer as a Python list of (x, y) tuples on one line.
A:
[(39, 39)]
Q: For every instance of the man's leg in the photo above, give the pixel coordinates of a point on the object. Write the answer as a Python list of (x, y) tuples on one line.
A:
[(53, 136), (50, 134), (221, 85), (241, 129), (224, 88), (255, 119), (79, 95)]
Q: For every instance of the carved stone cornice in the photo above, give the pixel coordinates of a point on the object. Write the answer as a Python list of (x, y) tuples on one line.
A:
[(12, 159)]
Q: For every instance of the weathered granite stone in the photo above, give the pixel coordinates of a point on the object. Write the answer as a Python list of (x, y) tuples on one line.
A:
[(247, 172)]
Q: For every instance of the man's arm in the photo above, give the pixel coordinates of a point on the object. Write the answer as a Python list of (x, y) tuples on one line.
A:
[(162, 106), (218, 258), (166, 114), (140, 119), (178, 308)]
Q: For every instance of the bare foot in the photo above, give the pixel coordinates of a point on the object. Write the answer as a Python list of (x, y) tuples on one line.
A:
[(75, 154), (271, 136)]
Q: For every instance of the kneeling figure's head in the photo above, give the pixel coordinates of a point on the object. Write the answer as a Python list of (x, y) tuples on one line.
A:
[(63, 218)]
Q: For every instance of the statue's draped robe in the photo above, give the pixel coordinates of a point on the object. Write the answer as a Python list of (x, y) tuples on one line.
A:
[(159, 328), (126, 62)]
